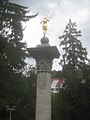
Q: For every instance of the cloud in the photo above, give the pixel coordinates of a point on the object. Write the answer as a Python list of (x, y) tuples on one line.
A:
[(51, 10), (82, 15), (58, 12)]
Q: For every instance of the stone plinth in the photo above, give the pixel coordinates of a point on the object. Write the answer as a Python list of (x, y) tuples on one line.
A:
[(44, 55)]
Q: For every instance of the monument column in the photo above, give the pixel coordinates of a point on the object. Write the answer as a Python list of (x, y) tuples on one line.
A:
[(44, 55)]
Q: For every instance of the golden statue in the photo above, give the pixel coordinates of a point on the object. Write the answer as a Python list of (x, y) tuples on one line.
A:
[(44, 25)]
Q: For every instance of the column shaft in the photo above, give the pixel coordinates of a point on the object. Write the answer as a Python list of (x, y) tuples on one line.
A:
[(43, 99)]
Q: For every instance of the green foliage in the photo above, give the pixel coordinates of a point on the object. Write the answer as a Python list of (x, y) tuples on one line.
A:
[(15, 89), (56, 74), (73, 100), (75, 56), (11, 33), (25, 108)]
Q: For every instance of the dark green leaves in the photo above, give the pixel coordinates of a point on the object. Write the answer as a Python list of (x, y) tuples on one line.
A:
[(74, 53)]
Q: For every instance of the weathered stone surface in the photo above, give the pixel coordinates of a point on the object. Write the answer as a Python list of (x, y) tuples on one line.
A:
[(43, 98), (44, 40), (44, 55)]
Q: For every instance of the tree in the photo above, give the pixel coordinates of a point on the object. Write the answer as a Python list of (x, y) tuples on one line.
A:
[(73, 100), (75, 56), (54, 74), (11, 33), (12, 53), (25, 108)]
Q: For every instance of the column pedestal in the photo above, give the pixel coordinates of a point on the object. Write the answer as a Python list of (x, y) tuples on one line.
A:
[(44, 55)]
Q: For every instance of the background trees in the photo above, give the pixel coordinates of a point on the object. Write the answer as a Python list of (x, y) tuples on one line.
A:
[(25, 107), (75, 55), (13, 84), (72, 102)]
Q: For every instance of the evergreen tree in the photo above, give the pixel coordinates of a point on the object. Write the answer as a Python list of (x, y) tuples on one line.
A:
[(25, 108), (12, 54), (11, 34), (73, 100), (75, 56)]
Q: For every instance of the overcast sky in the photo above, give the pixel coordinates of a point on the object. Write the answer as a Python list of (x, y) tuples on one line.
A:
[(58, 12)]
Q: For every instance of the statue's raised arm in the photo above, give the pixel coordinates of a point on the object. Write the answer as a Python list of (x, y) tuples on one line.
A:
[(44, 25)]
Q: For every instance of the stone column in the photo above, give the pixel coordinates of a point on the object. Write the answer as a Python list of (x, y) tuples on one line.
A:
[(44, 55), (43, 98)]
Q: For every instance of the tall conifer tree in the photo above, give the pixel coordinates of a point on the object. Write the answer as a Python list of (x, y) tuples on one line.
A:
[(12, 54), (73, 100), (75, 55)]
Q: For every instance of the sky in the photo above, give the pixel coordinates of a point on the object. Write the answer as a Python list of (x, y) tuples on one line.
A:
[(58, 12)]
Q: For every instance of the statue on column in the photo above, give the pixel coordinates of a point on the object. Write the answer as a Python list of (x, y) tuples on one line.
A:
[(44, 25)]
